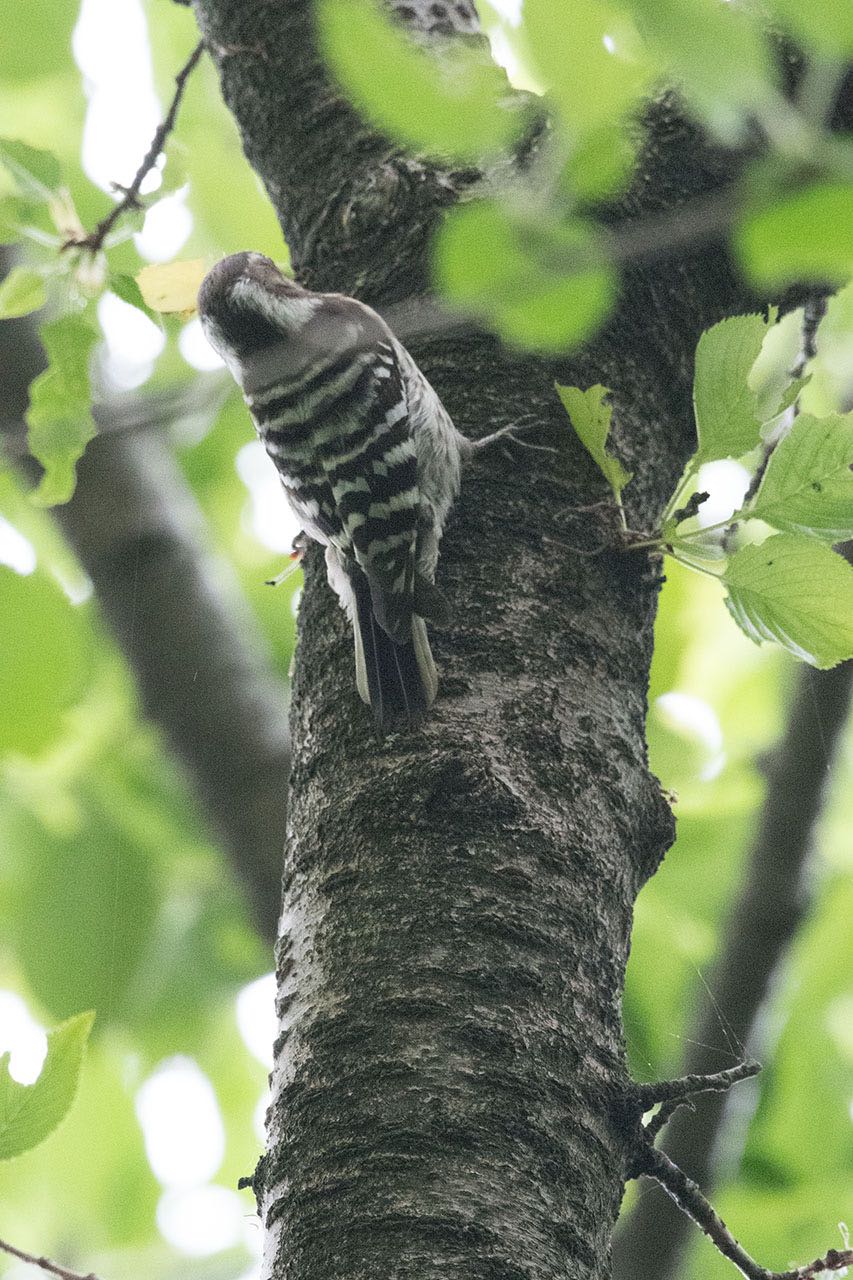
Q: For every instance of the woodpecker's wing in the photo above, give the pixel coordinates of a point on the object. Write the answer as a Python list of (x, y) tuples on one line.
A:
[(373, 476)]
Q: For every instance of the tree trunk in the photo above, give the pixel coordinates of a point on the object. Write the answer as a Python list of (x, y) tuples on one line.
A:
[(450, 1074)]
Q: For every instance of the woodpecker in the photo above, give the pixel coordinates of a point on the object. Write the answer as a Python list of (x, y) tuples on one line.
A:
[(369, 459)]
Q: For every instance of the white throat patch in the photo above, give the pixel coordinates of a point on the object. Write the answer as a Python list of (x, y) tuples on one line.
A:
[(286, 312)]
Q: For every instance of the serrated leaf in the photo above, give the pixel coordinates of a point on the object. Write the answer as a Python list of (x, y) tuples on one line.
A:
[(591, 418), (726, 408), (808, 484), (797, 592), (539, 286), (37, 173), (59, 416), (443, 105), (126, 288), (172, 286), (805, 236), (21, 292), (30, 1112)]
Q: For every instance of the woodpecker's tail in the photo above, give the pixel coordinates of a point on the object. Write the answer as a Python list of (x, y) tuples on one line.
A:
[(399, 681)]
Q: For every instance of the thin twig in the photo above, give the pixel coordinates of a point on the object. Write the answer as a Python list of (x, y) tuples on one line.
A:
[(94, 242), (686, 1194), (660, 1118), (685, 1086), (46, 1265)]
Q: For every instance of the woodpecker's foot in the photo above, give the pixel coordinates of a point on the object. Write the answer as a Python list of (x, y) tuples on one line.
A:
[(300, 545)]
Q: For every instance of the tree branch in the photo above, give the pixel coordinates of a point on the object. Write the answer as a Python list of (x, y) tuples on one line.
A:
[(45, 1264), (686, 1194), (687, 1086), (94, 241)]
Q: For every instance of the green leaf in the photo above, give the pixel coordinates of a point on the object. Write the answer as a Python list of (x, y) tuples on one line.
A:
[(805, 236), (29, 1112), (126, 288), (444, 105), (593, 82), (797, 592), (601, 162), (37, 173), (591, 419), (808, 484), (541, 287), (95, 882), (43, 639), (826, 25), (770, 376), (717, 51), (725, 405), (60, 417), (21, 292)]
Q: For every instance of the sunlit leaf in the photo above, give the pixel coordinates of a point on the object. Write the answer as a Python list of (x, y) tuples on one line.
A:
[(60, 416), (797, 592), (37, 173), (826, 25), (171, 286), (445, 105), (43, 642), (808, 484), (724, 403), (770, 376), (126, 288), (831, 387), (36, 41), (545, 288), (600, 163), (21, 292), (97, 883), (805, 236), (28, 1113), (595, 64), (717, 52), (591, 418)]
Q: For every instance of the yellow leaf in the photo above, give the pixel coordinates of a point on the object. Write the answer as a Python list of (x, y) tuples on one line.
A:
[(172, 286)]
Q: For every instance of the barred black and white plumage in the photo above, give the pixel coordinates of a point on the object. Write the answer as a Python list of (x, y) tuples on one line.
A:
[(368, 457)]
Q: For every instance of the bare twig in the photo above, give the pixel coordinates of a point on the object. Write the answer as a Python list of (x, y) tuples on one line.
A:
[(649, 1161), (660, 1118), (687, 1086), (688, 1197), (94, 241), (65, 1273)]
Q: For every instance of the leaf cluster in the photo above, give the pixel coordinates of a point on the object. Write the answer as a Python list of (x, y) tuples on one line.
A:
[(531, 257), (774, 555)]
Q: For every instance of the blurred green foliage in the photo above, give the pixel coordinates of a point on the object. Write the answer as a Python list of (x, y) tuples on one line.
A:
[(113, 894)]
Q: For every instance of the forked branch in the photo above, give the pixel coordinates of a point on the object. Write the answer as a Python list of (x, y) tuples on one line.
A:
[(650, 1162)]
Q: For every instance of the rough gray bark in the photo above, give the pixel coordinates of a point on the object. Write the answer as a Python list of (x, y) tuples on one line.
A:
[(775, 897), (200, 663), (449, 1080)]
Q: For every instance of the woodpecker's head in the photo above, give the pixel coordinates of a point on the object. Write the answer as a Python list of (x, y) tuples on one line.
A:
[(246, 305)]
